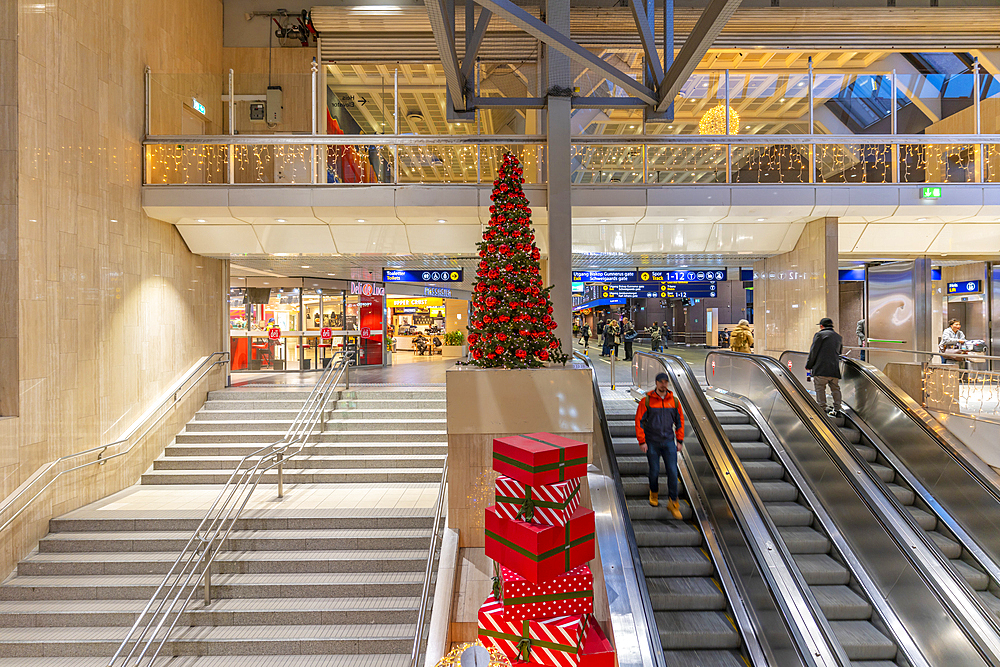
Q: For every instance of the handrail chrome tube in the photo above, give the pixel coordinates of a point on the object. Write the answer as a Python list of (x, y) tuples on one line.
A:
[(782, 613), (652, 637), (973, 356), (428, 569), (194, 563), (922, 589)]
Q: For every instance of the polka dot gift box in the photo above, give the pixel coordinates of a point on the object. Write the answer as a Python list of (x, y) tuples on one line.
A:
[(554, 642), (571, 593)]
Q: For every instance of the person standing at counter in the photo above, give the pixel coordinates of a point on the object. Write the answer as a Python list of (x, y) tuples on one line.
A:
[(951, 338)]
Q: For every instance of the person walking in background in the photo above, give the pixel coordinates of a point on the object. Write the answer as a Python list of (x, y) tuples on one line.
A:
[(629, 335), (824, 364), (602, 332), (585, 334), (741, 340), (655, 338), (665, 335), (862, 337), (612, 334), (658, 420)]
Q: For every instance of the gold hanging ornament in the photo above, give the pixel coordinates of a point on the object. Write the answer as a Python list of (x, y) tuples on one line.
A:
[(497, 658), (714, 121)]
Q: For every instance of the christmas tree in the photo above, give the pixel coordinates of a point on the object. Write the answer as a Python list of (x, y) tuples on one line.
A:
[(512, 324)]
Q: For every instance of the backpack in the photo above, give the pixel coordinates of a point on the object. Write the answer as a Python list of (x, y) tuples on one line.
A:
[(740, 338)]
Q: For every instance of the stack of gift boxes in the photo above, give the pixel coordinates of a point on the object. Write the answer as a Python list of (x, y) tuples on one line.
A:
[(540, 540)]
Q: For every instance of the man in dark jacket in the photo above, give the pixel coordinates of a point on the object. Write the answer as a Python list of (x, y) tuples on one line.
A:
[(658, 418), (824, 362)]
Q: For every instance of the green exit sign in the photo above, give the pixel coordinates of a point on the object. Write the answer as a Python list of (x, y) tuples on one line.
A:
[(930, 193)]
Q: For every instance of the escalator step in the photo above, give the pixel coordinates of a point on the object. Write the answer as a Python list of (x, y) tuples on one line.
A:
[(742, 432), (867, 452), (873, 663), (885, 473), (821, 570), (840, 603), (789, 514), (903, 495), (748, 451), (976, 578), (690, 593), (924, 519), (803, 540), (991, 601), (635, 487), (949, 547), (851, 435), (696, 629), (640, 510), (732, 417), (629, 466), (675, 562), (776, 491), (666, 534), (861, 641), (764, 470), (705, 659)]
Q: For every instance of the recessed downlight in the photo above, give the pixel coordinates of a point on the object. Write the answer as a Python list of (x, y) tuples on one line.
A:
[(604, 220), (280, 220), (305, 266), (199, 220), (681, 219), (760, 219), (360, 220), (921, 219), (442, 221)]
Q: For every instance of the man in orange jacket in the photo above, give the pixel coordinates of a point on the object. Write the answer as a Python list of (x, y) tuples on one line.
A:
[(657, 420)]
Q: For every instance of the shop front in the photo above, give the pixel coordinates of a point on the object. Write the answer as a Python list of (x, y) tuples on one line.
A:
[(428, 325), (301, 324)]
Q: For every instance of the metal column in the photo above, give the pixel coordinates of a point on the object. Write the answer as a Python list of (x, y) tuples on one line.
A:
[(560, 209)]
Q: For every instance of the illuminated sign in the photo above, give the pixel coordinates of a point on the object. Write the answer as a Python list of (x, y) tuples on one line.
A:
[(367, 289), (604, 276), (438, 291), (930, 192), (684, 275), (967, 287), (422, 275), (198, 106)]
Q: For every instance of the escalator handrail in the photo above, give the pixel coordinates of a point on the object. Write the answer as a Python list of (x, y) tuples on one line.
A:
[(653, 635), (814, 640), (959, 599)]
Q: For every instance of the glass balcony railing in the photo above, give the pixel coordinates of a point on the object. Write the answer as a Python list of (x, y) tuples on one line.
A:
[(596, 160)]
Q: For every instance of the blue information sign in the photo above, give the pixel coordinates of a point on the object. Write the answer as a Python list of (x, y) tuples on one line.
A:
[(683, 275), (421, 275), (967, 287), (604, 276), (601, 302)]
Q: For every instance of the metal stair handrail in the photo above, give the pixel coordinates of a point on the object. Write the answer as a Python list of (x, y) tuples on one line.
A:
[(171, 396), (193, 564), (425, 592)]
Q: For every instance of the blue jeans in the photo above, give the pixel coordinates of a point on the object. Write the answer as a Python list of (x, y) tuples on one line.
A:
[(668, 451), (606, 348)]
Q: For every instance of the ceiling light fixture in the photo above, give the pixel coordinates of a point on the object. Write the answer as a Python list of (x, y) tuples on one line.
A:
[(681, 219), (199, 220), (603, 220), (921, 219), (305, 266), (760, 219), (442, 221), (360, 220), (280, 220)]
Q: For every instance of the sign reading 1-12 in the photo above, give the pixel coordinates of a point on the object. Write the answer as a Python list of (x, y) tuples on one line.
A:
[(422, 275)]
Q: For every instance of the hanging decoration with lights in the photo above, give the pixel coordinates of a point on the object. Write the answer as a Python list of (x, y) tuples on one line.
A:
[(512, 324), (497, 658), (714, 121)]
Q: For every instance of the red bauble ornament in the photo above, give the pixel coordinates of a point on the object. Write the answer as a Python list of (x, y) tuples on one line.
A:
[(521, 354), (543, 355)]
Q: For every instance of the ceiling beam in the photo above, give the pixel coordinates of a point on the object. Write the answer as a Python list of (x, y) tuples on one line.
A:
[(562, 43), (709, 25), (475, 41), (645, 25), (444, 38)]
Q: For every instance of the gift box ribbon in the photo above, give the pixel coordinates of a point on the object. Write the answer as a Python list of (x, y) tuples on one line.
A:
[(531, 599), (524, 643), (548, 554), (560, 465), (529, 504)]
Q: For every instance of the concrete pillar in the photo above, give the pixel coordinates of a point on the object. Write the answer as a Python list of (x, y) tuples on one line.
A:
[(560, 210)]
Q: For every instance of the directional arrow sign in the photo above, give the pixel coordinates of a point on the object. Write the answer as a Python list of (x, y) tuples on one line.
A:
[(362, 101)]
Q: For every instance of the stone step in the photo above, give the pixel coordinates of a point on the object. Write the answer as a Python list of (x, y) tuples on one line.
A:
[(360, 660), (244, 540), (294, 393), (362, 451), (337, 414), (294, 404), (222, 612), (227, 562), (299, 476), (225, 586), (304, 461), (249, 522), (333, 424), (220, 640), (267, 437)]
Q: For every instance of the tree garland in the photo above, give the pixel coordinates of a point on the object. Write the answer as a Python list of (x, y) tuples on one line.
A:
[(512, 324)]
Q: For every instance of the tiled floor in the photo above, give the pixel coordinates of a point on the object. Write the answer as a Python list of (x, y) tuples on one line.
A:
[(413, 371)]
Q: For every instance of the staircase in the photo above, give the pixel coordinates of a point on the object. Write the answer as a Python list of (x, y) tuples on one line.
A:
[(329, 576)]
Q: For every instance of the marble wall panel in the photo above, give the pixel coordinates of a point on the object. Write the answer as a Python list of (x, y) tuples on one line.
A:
[(103, 307), (796, 289)]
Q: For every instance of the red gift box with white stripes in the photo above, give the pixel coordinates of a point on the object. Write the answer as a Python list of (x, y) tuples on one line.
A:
[(596, 651), (570, 593), (554, 642), (551, 504), (539, 553)]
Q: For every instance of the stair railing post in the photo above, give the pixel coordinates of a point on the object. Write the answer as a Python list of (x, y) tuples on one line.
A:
[(208, 583), (281, 477)]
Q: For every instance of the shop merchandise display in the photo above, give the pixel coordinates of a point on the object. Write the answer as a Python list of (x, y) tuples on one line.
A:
[(512, 324), (541, 539)]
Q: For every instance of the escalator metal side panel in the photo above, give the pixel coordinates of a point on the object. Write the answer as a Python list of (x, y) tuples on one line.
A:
[(968, 501), (766, 597), (898, 560), (637, 639)]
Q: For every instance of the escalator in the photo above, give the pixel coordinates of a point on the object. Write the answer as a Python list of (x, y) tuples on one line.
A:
[(885, 585), (718, 591)]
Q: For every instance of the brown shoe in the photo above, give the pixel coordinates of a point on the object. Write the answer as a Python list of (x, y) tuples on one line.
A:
[(654, 499), (675, 508)]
